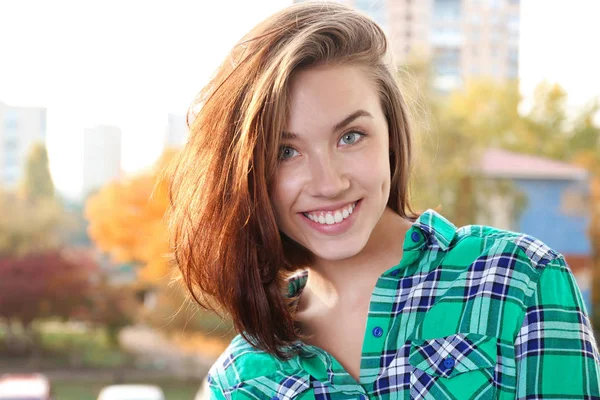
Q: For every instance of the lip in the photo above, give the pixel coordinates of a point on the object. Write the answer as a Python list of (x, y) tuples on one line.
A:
[(331, 207), (334, 229)]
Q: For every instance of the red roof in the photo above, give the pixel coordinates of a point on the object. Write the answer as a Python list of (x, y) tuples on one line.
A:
[(498, 163)]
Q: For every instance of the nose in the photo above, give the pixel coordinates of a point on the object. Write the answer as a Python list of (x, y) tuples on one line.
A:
[(327, 177)]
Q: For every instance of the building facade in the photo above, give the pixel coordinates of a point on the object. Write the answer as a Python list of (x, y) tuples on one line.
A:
[(101, 157), (20, 128), (177, 131), (461, 38)]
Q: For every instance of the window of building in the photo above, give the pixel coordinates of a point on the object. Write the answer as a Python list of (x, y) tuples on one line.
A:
[(493, 51), (11, 122), (514, 23), (43, 125), (447, 36), (10, 151), (496, 19), (376, 9), (490, 3), (447, 61), (9, 176), (10, 160), (497, 36), (447, 9), (475, 19)]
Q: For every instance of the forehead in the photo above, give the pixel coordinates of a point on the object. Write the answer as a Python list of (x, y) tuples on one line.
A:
[(327, 94)]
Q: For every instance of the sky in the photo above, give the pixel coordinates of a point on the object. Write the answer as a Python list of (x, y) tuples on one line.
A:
[(130, 62)]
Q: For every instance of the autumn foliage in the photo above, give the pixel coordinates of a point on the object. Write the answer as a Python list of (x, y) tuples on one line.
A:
[(126, 221), (48, 284)]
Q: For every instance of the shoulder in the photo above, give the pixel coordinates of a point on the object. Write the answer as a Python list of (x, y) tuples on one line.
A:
[(485, 252), (494, 242), (241, 364), (517, 263)]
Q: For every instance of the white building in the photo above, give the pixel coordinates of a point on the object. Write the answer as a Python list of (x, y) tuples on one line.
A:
[(20, 128), (101, 157), (177, 131)]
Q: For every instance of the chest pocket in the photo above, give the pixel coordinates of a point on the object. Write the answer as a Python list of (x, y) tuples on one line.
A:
[(459, 366)]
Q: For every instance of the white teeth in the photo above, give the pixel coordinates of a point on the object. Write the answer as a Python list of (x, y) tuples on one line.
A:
[(330, 218), (338, 217)]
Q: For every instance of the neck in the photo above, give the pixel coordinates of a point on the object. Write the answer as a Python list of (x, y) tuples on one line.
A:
[(348, 281)]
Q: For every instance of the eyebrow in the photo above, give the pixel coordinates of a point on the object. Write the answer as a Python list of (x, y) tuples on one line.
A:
[(340, 125)]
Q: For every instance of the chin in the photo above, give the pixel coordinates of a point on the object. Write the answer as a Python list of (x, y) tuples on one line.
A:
[(338, 250)]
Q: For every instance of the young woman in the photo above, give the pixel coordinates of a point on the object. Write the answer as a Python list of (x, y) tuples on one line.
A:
[(290, 212)]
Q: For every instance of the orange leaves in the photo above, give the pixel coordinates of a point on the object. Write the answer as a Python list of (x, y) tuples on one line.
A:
[(126, 220)]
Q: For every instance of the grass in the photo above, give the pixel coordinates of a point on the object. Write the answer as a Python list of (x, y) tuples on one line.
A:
[(89, 389), (92, 349), (88, 347)]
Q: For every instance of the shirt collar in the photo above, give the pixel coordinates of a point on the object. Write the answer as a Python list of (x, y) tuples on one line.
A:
[(435, 227), (437, 232)]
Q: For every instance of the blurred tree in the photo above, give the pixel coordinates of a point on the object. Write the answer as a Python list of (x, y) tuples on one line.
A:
[(28, 228), (452, 131), (40, 285), (37, 182), (36, 215), (111, 306), (126, 221)]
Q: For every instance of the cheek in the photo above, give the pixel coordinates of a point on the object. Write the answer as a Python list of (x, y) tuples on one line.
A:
[(284, 193), (374, 168)]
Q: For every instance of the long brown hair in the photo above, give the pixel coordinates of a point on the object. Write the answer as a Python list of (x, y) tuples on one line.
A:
[(225, 239)]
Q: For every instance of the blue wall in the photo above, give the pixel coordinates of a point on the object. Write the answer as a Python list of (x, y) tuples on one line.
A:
[(544, 218)]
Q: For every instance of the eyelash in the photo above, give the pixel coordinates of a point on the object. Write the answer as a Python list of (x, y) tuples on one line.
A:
[(361, 136)]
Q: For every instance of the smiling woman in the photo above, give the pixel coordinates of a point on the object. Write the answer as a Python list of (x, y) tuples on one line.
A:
[(290, 211)]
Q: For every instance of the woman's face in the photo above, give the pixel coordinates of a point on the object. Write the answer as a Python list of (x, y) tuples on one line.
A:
[(333, 179)]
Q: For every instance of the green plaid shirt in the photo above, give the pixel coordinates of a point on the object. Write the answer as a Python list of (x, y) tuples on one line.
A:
[(469, 313)]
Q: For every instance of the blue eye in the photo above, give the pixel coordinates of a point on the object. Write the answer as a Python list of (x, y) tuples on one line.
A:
[(286, 152), (351, 138)]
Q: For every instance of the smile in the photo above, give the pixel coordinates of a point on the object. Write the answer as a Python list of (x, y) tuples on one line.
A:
[(331, 217)]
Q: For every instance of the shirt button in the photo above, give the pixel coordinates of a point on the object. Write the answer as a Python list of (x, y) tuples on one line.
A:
[(449, 363), (364, 397), (377, 331), (395, 272), (415, 237)]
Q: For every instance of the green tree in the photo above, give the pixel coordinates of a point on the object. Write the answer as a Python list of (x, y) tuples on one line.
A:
[(36, 216), (37, 182), (452, 132)]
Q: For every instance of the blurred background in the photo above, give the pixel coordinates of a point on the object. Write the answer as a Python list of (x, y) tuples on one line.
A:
[(93, 95)]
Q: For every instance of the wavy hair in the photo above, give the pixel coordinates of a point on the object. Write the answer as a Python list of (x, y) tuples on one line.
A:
[(225, 239)]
